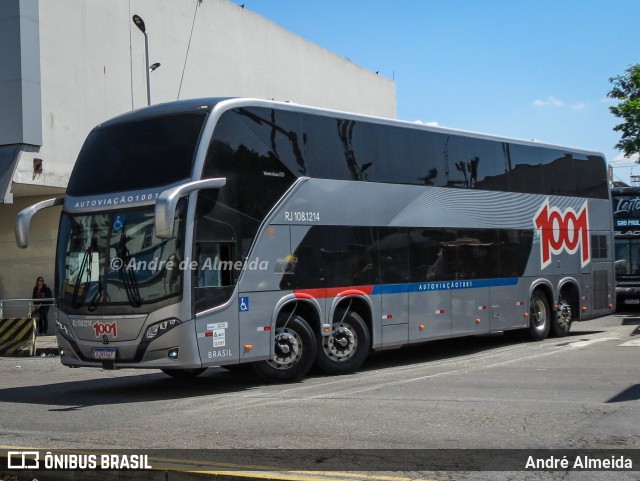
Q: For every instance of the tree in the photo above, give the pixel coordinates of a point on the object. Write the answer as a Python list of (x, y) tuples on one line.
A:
[(626, 89)]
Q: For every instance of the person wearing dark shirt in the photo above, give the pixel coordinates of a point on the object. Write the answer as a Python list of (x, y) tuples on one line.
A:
[(41, 291)]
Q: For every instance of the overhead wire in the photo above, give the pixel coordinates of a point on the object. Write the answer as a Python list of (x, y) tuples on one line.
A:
[(186, 57)]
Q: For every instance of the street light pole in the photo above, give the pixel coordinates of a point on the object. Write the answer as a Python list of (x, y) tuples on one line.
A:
[(146, 56), (141, 26)]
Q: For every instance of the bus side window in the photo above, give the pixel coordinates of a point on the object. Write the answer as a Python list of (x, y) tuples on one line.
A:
[(216, 264), (433, 254), (393, 255), (214, 275)]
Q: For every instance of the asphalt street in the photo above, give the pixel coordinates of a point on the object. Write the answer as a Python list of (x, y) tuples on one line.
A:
[(485, 392)]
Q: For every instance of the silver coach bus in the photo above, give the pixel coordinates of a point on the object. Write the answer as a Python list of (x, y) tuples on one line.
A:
[(223, 231)]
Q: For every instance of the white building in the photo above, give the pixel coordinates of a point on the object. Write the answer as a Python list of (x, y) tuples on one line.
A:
[(67, 65)]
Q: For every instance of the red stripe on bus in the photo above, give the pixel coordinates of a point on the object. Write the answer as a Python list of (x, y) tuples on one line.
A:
[(333, 292)]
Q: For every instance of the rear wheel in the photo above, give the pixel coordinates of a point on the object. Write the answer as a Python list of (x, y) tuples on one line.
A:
[(184, 373), (561, 324), (346, 348), (295, 350), (539, 316)]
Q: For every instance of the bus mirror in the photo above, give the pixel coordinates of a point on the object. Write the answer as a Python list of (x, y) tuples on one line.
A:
[(168, 199), (24, 219)]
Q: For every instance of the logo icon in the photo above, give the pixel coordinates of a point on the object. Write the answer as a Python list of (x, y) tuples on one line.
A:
[(560, 231), (103, 328), (23, 460)]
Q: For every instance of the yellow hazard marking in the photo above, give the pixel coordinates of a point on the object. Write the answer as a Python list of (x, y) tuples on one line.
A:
[(17, 335)]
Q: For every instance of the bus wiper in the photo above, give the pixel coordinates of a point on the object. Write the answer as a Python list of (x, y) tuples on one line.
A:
[(128, 276), (85, 265), (93, 303)]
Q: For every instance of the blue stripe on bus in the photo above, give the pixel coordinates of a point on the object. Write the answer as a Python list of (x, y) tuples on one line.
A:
[(444, 285)]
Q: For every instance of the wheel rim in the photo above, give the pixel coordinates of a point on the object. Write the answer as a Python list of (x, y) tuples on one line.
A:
[(288, 349), (538, 314), (341, 344)]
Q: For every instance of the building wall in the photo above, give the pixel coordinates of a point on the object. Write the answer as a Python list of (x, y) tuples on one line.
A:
[(19, 268), (92, 67)]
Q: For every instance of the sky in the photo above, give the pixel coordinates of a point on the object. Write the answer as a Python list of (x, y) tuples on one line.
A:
[(529, 69)]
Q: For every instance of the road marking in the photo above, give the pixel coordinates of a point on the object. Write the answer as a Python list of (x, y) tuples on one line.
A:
[(634, 343), (464, 369), (588, 342)]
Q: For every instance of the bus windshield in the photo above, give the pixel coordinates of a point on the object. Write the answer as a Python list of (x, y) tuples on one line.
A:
[(627, 257), (135, 155), (114, 259)]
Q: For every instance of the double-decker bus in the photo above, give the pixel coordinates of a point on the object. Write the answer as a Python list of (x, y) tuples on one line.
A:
[(224, 231), (626, 223)]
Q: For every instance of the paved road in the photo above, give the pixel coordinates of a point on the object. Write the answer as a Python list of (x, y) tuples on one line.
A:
[(582, 391)]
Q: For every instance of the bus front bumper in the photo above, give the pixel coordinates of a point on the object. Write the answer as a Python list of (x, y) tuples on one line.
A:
[(176, 349)]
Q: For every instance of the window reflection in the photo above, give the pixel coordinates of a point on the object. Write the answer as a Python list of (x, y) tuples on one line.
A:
[(335, 256), (346, 149)]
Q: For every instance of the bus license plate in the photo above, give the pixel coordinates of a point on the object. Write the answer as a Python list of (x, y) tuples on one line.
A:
[(105, 354), (632, 301)]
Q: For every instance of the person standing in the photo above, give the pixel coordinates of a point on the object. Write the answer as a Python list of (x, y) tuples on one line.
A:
[(41, 291)]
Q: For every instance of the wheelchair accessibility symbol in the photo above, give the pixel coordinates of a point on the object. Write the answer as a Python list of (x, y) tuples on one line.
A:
[(118, 223), (243, 304)]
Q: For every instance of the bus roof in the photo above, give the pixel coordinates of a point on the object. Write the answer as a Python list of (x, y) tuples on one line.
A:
[(219, 105), (625, 190)]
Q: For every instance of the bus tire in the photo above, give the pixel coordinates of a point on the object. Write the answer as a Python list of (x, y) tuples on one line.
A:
[(539, 316), (348, 345), (294, 352), (561, 324), (184, 373)]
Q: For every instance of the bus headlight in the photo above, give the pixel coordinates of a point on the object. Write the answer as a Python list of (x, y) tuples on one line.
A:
[(160, 328)]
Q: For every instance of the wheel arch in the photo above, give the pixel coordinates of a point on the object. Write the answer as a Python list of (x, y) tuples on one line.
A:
[(545, 286), (569, 289), (307, 307)]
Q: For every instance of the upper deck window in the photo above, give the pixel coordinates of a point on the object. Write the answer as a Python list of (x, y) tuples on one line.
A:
[(135, 155), (340, 148)]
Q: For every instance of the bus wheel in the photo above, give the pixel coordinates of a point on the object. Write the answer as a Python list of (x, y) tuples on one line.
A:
[(184, 373), (562, 320), (539, 316), (346, 348), (294, 352)]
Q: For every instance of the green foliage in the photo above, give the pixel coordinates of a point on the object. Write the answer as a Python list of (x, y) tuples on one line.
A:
[(626, 89)]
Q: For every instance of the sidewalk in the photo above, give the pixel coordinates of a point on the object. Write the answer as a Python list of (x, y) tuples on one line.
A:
[(46, 346)]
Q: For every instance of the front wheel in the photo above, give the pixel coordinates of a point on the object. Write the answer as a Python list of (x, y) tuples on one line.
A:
[(346, 348), (539, 316), (294, 352)]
